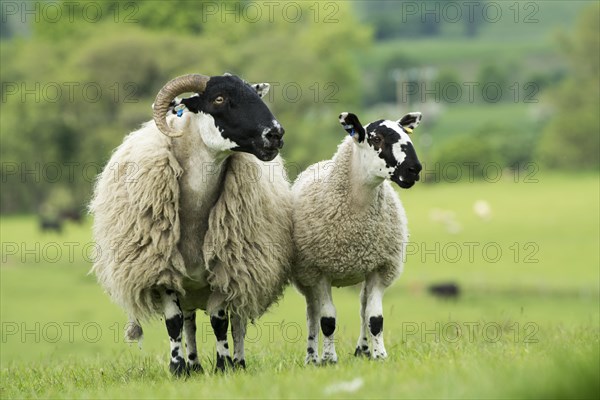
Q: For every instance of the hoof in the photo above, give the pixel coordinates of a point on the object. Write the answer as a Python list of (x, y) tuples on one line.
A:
[(178, 368), (329, 361), (223, 363), (362, 351), (379, 356), (239, 364), (312, 358), (195, 368), (329, 358)]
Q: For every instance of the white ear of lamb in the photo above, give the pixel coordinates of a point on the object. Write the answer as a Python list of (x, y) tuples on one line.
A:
[(410, 121), (261, 88)]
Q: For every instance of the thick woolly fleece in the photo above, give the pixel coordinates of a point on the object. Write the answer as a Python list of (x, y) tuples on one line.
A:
[(341, 235), (247, 249)]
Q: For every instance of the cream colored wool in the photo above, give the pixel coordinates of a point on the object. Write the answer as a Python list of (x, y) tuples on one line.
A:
[(248, 246), (136, 207), (341, 233)]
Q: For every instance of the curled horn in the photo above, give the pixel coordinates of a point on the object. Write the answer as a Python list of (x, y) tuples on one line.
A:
[(185, 83)]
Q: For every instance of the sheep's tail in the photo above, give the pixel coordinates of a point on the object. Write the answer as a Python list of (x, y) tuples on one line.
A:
[(134, 332)]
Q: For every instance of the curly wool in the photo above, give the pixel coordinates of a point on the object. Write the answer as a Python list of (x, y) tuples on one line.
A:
[(137, 229), (248, 247), (342, 236), (136, 223)]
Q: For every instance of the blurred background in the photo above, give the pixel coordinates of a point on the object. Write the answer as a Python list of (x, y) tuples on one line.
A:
[(505, 225), (509, 83)]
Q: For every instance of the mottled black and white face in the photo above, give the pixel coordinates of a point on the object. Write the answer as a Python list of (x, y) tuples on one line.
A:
[(387, 147), (232, 116)]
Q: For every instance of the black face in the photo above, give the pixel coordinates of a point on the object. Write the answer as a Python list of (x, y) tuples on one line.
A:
[(407, 173), (241, 116), (395, 148)]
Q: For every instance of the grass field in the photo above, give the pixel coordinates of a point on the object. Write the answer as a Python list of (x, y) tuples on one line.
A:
[(526, 325)]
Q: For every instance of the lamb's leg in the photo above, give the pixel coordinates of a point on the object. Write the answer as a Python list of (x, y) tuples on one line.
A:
[(219, 320), (174, 322), (312, 323), (238, 331), (374, 313), (327, 313), (362, 347), (189, 329)]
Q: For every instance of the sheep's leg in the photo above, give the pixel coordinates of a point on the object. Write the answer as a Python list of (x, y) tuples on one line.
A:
[(189, 329), (174, 322), (219, 320), (327, 313), (220, 323), (238, 331), (374, 313), (362, 347), (312, 323)]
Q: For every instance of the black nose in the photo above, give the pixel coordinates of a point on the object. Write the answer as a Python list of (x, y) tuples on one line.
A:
[(415, 169), (274, 136), (275, 133)]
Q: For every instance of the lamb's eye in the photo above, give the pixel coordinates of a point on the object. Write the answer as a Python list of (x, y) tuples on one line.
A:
[(219, 100), (376, 140)]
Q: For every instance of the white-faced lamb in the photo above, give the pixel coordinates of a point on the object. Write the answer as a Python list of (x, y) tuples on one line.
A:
[(350, 227), (193, 211)]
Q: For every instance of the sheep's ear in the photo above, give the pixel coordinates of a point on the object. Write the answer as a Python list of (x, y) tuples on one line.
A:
[(174, 103), (410, 121), (353, 126), (261, 88)]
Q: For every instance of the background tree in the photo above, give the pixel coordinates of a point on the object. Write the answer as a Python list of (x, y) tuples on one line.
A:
[(115, 68), (572, 138)]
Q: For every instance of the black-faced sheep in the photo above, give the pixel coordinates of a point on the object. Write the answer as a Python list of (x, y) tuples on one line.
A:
[(190, 218), (350, 227)]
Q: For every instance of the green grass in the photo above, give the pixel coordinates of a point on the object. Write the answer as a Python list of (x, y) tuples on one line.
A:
[(527, 330)]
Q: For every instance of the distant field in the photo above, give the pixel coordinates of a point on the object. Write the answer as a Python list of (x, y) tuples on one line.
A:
[(458, 50), (527, 52), (522, 34), (526, 326), (451, 120)]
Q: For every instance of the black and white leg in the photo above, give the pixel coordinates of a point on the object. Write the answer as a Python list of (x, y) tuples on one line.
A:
[(327, 313), (174, 322), (362, 346), (238, 331), (312, 324), (189, 331), (374, 313), (219, 320)]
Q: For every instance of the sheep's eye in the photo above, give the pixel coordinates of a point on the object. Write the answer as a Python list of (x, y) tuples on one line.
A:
[(219, 100), (376, 140)]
